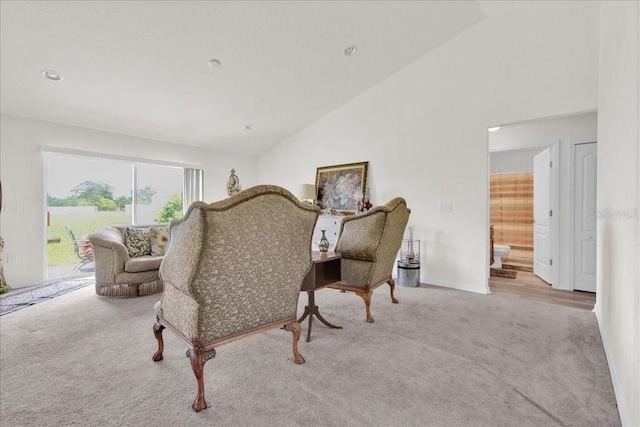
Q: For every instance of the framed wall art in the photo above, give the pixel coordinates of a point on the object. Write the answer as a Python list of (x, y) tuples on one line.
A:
[(341, 187)]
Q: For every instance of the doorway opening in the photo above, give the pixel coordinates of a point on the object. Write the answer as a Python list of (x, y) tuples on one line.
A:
[(521, 218), (522, 194)]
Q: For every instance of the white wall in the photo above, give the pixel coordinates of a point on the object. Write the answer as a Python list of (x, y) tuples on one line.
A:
[(424, 129), (22, 175), (512, 161), (566, 131), (535, 133), (618, 279)]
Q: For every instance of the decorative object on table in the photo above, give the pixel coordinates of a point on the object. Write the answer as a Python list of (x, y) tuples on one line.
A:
[(359, 196), (367, 200), (331, 225), (308, 193), (3, 283), (323, 244), (213, 295), (369, 244), (336, 185), (233, 185), (410, 254), (409, 263)]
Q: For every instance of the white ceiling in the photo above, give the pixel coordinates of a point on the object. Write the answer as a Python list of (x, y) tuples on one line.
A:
[(140, 68)]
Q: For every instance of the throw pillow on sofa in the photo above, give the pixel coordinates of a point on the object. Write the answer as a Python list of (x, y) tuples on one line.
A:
[(159, 239), (137, 241)]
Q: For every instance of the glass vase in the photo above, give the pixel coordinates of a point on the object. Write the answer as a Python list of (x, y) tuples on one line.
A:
[(411, 254)]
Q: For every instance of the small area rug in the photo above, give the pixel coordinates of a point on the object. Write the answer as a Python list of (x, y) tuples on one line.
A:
[(18, 299)]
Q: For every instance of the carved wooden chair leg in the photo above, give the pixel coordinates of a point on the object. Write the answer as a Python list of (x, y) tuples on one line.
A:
[(392, 284), (157, 331), (294, 328), (198, 358), (366, 296)]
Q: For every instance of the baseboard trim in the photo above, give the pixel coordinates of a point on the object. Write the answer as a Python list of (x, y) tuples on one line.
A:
[(622, 409), (457, 286)]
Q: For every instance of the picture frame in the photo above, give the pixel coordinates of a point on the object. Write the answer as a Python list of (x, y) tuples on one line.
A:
[(336, 186)]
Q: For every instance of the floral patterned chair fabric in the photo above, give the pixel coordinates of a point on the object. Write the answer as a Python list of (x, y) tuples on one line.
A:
[(232, 268), (369, 244)]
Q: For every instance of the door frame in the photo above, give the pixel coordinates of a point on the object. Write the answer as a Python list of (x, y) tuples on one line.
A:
[(572, 208), (554, 199)]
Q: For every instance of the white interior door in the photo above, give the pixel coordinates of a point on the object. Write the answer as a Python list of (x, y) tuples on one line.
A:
[(584, 220), (542, 215)]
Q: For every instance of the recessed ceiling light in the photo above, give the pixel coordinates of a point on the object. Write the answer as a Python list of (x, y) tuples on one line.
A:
[(51, 75), (250, 127), (493, 129), (351, 50), (214, 63)]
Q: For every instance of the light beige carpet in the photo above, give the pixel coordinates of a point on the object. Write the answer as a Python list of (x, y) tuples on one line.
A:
[(439, 358)]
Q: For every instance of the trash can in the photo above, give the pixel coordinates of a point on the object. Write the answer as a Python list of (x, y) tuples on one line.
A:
[(409, 273), (409, 263)]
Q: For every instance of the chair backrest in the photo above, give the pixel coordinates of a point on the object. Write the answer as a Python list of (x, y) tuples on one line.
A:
[(82, 248), (375, 236), (70, 233), (242, 260), (73, 240)]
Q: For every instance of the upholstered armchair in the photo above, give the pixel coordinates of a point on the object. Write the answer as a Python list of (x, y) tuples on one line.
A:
[(117, 272), (369, 244), (233, 268)]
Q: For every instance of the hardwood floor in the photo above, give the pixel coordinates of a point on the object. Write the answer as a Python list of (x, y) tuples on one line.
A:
[(530, 287)]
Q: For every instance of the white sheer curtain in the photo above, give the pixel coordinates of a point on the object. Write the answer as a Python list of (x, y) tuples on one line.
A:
[(193, 187)]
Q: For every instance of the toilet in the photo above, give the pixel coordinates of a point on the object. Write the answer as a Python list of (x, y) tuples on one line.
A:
[(498, 252)]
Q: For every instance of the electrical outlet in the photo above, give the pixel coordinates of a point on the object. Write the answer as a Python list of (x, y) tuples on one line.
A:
[(446, 207), (10, 207)]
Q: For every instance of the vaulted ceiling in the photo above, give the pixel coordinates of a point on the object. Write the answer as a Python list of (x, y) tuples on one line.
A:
[(142, 68)]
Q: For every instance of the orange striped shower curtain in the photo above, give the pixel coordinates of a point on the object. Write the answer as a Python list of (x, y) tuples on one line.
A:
[(512, 215)]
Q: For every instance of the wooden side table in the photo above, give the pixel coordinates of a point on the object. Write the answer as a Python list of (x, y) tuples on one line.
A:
[(325, 271)]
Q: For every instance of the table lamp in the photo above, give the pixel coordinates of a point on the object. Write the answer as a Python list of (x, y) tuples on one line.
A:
[(308, 192)]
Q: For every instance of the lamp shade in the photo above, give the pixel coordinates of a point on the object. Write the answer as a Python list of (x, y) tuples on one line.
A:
[(308, 192)]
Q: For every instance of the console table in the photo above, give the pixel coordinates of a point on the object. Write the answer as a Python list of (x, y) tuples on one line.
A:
[(325, 271)]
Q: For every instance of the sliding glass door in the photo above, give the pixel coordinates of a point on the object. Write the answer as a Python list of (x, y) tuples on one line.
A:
[(159, 193), (83, 195), (88, 193)]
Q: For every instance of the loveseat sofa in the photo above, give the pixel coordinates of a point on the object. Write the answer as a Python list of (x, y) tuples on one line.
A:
[(127, 259)]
